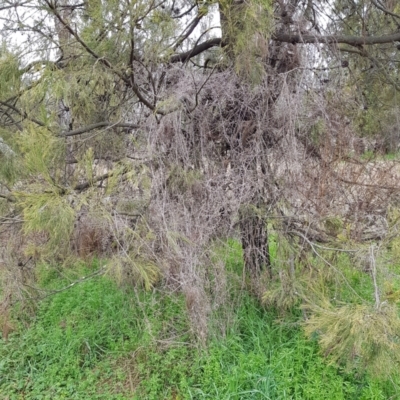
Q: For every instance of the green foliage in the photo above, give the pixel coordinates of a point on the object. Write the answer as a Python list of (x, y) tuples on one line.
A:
[(161, 26), (41, 154), (94, 340), (73, 332), (333, 225), (317, 131), (232, 254), (135, 270), (358, 336), (10, 76), (51, 214), (247, 28), (181, 180), (9, 169), (284, 291)]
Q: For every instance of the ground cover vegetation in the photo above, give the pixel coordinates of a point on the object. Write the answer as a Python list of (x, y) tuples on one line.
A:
[(98, 341), (150, 136)]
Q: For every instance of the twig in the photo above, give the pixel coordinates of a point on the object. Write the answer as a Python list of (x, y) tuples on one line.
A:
[(322, 247), (88, 128), (373, 272), (99, 272), (331, 265)]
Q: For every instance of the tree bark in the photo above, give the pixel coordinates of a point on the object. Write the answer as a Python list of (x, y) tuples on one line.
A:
[(255, 245), (294, 39)]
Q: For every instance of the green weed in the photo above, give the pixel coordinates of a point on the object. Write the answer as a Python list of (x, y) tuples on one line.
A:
[(97, 341)]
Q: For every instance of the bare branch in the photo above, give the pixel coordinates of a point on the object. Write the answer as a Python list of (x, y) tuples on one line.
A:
[(9, 198), (85, 185), (189, 30), (200, 48), (88, 128), (22, 114), (372, 262), (17, 4), (333, 39), (48, 293), (385, 10), (185, 12), (294, 38), (337, 270)]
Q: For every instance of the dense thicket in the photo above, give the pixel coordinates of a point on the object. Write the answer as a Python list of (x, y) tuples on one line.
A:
[(146, 132)]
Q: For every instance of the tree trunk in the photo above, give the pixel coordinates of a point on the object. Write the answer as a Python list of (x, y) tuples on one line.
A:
[(254, 237)]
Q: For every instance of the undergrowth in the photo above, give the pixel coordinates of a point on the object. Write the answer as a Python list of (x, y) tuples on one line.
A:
[(97, 341)]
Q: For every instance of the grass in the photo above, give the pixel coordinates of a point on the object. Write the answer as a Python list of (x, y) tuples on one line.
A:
[(372, 156), (97, 341)]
